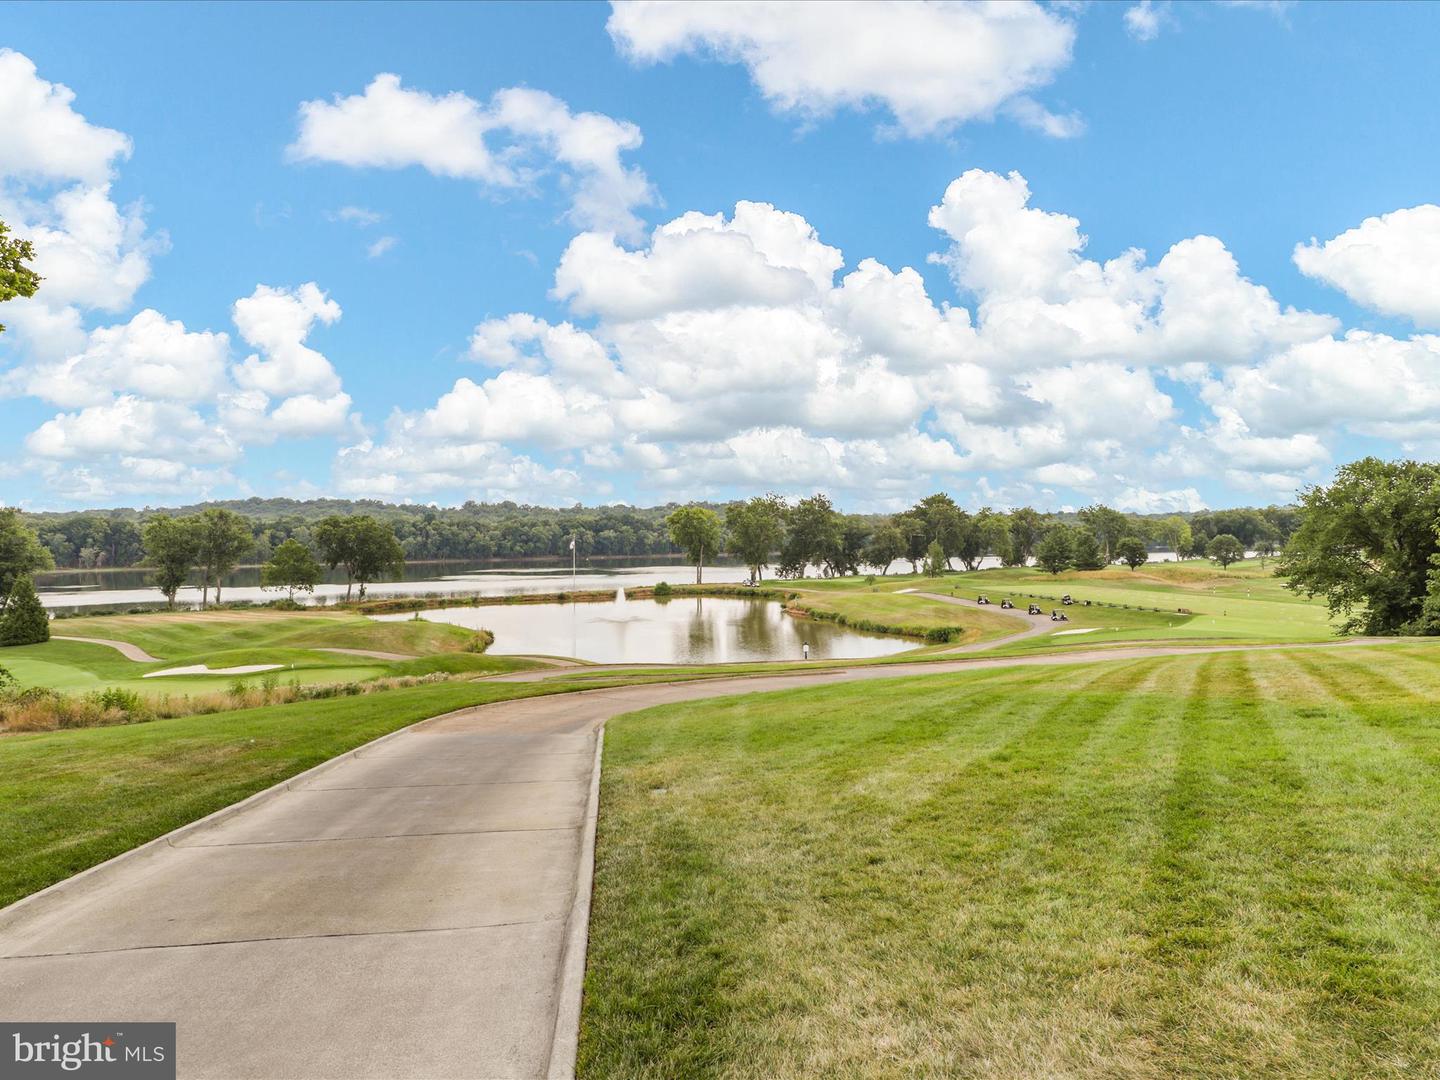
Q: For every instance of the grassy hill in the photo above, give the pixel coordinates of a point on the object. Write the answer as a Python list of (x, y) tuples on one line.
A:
[(236, 638)]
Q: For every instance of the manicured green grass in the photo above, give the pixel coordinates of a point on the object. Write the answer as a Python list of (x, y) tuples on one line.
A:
[(71, 799), (863, 604), (223, 639), (188, 633), (1213, 866), (1243, 603)]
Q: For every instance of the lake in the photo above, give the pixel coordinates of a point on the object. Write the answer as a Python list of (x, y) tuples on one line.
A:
[(78, 590), (692, 630)]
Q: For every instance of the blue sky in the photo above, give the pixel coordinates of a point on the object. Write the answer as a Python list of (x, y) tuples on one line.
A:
[(473, 328)]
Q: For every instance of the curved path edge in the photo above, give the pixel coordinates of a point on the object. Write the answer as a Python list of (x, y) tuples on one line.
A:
[(124, 648), (565, 1043)]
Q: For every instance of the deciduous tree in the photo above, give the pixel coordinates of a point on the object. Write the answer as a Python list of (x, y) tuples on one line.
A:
[(16, 278), (1132, 551), (695, 531), (815, 536), (222, 539), (755, 532), (1085, 553), (1027, 526), (291, 567), (1108, 525), (170, 547), (21, 553), (1174, 533), (1054, 552), (365, 547), (886, 545), (1367, 543), (935, 560), (1225, 549), (945, 523)]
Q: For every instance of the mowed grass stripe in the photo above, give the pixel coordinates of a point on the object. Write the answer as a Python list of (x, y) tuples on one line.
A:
[(1020, 898), (837, 855), (1373, 772), (1248, 917), (1372, 698), (1178, 867)]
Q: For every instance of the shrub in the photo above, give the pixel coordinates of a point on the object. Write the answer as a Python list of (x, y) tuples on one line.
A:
[(24, 621), (117, 697), (480, 641), (663, 591), (934, 564)]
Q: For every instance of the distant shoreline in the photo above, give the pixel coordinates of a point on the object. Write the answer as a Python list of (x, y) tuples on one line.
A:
[(558, 560)]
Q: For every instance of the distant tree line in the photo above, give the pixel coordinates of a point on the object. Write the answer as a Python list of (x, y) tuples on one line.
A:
[(205, 546), (475, 531), (114, 538), (936, 533)]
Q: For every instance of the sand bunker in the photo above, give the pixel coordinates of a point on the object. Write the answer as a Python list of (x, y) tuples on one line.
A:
[(201, 669)]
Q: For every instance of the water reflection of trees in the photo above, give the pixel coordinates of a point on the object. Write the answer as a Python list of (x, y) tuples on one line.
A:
[(700, 635), (721, 630), (686, 630)]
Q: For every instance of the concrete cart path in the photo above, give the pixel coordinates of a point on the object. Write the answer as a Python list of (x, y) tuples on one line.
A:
[(1030, 625), (415, 908), (130, 652)]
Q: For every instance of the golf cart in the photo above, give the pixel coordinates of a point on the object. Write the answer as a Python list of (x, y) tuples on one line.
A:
[(1006, 605), (982, 600), (1034, 609)]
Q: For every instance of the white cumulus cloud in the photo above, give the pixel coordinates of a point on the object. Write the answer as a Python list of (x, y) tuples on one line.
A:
[(931, 65), (506, 143), (150, 355), (1389, 263)]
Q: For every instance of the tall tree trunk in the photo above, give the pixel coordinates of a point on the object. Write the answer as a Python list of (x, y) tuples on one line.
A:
[(698, 562)]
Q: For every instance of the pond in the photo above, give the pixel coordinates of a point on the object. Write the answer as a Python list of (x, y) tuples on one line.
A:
[(692, 630)]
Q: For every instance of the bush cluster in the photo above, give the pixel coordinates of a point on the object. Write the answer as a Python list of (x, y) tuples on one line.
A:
[(480, 641), (40, 708)]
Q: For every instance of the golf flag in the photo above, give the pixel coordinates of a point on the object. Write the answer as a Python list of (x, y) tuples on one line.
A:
[(572, 543)]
